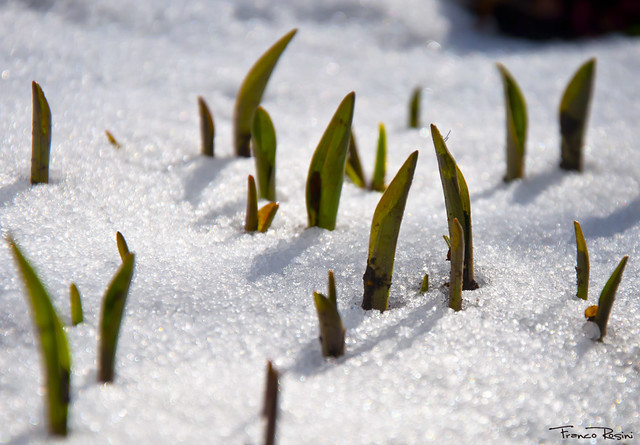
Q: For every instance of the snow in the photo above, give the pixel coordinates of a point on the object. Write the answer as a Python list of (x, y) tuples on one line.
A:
[(210, 304)]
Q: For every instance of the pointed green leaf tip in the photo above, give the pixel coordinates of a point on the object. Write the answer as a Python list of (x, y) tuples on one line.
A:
[(326, 172), (251, 218), (424, 287), (123, 249), (414, 108), (53, 344), (207, 128), (516, 111), (40, 136), (582, 268), (384, 236), (111, 318), (377, 182), (332, 331), (250, 93), (77, 316), (456, 199), (263, 138), (457, 266), (574, 110), (353, 168), (607, 297)]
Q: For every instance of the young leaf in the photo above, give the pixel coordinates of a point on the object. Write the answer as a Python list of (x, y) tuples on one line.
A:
[(266, 215), (112, 311), (53, 344), (516, 110), (270, 410), (414, 108), (77, 315), (456, 199), (353, 168), (574, 110), (112, 140), (425, 284), (582, 269), (263, 138), (326, 172), (457, 266), (123, 249), (377, 182), (207, 128), (250, 93), (332, 331), (41, 136), (251, 218), (607, 297), (384, 235)]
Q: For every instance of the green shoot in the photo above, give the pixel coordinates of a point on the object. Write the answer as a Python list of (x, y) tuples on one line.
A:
[(263, 138), (77, 315), (326, 172), (582, 268), (574, 110), (377, 182), (250, 94), (207, 128), (516, 125), (112, 140), (414, 108), (456, 199), (112, 312), (258, 220), (331, 329), (457, 266), (424, 287), (41, 136), (353, 168), (123, 249), (607, 298), (384, 236), (53, 344), (270, 409)]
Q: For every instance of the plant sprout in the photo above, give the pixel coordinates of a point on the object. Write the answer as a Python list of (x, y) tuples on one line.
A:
[(77, 316), (332, 331), (112, 311), (123, 249), (600, 314), (40, 136), (112, 140), (516, 110), (207, 128), (353, 167), (250, 94), (384, 236), (456, 199), (377, 182), (414, 108), (574, 110), (53, 344), (424, 287), (457, 266), (582, 268), (270, 409), (263, 143), (258, 220), (326, 172)]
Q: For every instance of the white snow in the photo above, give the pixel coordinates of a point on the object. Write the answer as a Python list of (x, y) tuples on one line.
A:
[(210, 304)]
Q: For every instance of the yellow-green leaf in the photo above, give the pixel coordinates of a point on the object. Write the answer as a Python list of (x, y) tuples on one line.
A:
[(112, 311), (207, 128), (384, 236), (326, 172), (250, 93), (457, 266), (77, 315), (332, 331), (266, 215), (516, 117), (607, 297), (112, 140), (263, 138), (414, 108), (53, 344), (353, 168), (251, 218), (123, 249), (582, 268), (377, 181), (40, 136)]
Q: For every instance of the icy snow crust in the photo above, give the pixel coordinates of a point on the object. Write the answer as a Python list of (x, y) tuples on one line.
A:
[(210, 304)]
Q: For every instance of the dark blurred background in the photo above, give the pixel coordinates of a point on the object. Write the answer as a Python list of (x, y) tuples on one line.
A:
[(568, 19)]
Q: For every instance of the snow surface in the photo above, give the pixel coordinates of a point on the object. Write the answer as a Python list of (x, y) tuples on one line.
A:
[(210, 304)]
